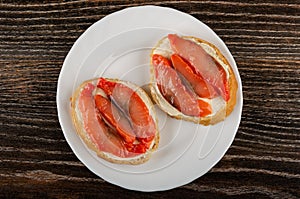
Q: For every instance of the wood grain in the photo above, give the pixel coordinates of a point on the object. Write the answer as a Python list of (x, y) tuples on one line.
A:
[(264, 159)]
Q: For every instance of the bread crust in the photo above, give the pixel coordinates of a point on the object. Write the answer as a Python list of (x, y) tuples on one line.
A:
[(208, 120), (86, 139)]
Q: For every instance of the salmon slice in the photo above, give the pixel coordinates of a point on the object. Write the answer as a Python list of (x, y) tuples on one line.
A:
[(225, 82), (203, 63), (115, 118), (133, 106), (173, 89), (100, 134), (142, 121), (201, 88)]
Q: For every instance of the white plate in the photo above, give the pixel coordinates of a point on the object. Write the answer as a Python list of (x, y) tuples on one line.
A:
[(118, 46)]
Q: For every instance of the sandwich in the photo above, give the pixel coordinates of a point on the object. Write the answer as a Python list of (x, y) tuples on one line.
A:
[(192, 80), (115, 119)]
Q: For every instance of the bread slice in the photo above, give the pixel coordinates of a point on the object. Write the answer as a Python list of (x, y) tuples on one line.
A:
[(222, 109), (79, 124)]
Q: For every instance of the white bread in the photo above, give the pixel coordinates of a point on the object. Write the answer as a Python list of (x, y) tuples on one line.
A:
[(163, 48), (79, 125)]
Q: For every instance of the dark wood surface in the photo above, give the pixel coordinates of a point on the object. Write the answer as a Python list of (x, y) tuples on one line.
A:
[(264, 159)]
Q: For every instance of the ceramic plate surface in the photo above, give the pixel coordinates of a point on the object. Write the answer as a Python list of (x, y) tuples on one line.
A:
[(118, 46)]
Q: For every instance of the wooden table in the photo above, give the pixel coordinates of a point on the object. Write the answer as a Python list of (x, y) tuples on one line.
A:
[(264, 159)]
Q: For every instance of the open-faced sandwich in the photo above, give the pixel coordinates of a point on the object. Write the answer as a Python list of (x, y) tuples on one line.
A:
[(192, 80), (116, 119)]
